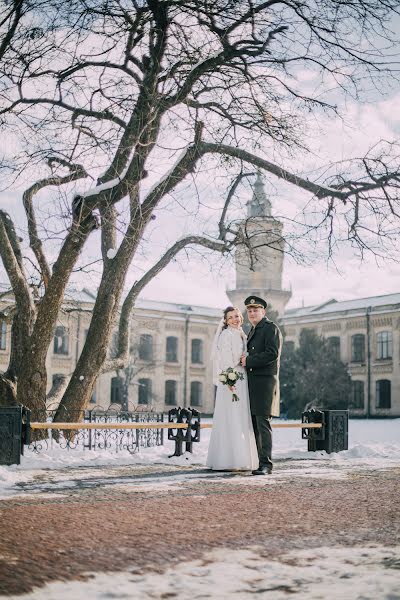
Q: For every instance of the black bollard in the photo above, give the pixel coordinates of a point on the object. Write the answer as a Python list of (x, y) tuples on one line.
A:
[(333, 436)]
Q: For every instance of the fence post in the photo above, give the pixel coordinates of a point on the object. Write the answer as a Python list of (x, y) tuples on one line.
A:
[(179, 415), (194, 429), (14, 433)]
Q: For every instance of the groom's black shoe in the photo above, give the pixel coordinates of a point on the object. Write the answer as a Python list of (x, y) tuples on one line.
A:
[(262, 470)]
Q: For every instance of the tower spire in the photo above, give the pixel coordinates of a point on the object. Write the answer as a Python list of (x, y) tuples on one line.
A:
[(259, 205)]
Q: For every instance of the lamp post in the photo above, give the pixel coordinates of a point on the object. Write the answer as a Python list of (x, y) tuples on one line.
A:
[(368, 361), (188, 310)]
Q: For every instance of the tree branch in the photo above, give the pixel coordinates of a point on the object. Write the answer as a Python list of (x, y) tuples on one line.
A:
[(124, 323), (76, 172)]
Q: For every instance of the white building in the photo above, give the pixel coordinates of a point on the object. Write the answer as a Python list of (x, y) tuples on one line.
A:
[(171, 343)]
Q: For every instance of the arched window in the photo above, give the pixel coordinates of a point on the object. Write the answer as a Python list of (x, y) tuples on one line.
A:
[(384, 345), (61, 340), (358, 348), (172, 349), (170, 392), (357, 394), (334, 345), (144, 391), (383, 393), (196, 393), (197, 351), (146, 347)]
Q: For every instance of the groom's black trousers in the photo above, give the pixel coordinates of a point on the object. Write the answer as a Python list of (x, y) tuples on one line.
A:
[(263, 433)]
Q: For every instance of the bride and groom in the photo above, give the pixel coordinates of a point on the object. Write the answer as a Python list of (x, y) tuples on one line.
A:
[(241, 436)]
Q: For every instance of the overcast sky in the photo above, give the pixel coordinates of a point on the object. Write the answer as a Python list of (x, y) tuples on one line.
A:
[(203, 282), (343, 277)]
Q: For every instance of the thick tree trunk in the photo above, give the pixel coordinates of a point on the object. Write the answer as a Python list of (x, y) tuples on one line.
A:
[(8, 391), (32, 381), (94, 353)]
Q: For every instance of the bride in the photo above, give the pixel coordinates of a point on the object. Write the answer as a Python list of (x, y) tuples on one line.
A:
[(232, 442)]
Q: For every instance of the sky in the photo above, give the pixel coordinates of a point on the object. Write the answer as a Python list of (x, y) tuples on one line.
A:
[(204, 282), (342, 277)]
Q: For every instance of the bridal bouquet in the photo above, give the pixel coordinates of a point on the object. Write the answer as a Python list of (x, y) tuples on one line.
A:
[(229, 377)]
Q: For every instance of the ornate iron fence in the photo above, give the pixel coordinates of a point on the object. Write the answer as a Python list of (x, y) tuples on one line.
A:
[(99, 439)]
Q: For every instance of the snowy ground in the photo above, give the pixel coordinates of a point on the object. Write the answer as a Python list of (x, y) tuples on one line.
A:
[(358, 573), (373, 444), (318, 574)]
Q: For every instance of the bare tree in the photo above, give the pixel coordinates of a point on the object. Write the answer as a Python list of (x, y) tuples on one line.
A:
[(97, 90)]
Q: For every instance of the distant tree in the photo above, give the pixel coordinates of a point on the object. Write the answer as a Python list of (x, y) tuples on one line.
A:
[(96, 91), (313, 376)]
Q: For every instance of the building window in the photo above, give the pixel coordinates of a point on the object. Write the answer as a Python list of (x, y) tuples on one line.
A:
[(146, 347), (61, 340), (334, 345), (358, 348), (197, 351), (357, 394), (383, 393), (144, 391), (384, 345), (172, 349), (196, 393), (116, 390), (3, 335), (288, 347), (170, 392)]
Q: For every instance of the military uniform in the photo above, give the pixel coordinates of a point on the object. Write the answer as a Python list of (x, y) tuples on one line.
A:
[(264, 345)]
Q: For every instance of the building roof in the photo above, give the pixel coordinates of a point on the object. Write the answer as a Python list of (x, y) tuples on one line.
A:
[(344, 306), (192, 309), (87, 297)]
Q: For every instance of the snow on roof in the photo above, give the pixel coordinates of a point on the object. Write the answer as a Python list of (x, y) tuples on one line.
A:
[(192, 309), (84, 295), (334, 306)]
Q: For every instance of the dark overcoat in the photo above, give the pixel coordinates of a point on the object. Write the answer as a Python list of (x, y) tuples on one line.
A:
[(264, 344)]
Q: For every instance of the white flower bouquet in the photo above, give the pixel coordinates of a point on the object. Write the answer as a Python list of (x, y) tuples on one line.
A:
[(229, 377)]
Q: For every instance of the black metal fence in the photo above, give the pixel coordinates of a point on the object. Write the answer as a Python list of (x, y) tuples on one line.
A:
[(98, 439)]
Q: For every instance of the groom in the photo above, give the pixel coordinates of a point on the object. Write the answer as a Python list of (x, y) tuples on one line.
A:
[(264, 344)]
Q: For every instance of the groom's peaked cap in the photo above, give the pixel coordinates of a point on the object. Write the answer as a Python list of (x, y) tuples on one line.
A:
[(255, 302)]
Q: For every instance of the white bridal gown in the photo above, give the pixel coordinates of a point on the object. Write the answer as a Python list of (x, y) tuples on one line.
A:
[(232, 442)]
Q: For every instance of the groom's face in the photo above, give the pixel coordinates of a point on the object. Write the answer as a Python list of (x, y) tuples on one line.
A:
[(255, 314)]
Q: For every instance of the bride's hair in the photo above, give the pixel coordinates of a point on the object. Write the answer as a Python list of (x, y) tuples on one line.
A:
[(229, 309)]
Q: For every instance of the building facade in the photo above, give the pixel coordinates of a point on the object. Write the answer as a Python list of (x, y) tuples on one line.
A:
[(365, 334), (170, 354)]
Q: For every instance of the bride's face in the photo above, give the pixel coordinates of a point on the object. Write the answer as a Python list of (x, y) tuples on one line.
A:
[(233, 319)]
